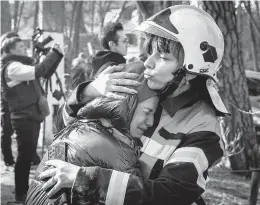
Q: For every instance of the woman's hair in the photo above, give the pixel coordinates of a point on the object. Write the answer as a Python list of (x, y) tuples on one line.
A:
[(163, 45), (120, 112)]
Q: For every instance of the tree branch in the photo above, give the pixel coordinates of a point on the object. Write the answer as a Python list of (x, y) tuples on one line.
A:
[(252, 18), (121, 12)]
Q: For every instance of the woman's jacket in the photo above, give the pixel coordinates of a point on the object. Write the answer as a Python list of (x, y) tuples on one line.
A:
[(86, 143)]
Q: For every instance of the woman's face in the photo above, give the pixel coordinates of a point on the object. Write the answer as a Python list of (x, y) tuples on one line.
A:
[(143, 117), (159, 69)]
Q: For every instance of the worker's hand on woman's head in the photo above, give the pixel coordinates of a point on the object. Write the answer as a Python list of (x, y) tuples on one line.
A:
[(61, 175), (114, 79)]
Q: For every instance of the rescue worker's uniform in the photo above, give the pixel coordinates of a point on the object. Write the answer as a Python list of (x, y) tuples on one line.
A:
[(185, 140), (174, 161)]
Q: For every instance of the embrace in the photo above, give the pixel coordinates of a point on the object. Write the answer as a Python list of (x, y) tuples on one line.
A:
[(142, 135)]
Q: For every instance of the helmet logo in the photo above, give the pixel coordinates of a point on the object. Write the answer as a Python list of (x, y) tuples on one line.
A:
[(205, 69), (211, 54), (163, 20)]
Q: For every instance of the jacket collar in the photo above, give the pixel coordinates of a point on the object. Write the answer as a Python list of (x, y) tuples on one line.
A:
[(173, 104)]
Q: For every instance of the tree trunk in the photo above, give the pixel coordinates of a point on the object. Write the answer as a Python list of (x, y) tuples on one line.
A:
[(93, 3), (253, 46), (5, 17), (255, 179), (257, 9), (121, 11), (104, 7), (78, 18), (35, 21), (72, 19), (146, 8), (253, 39), (63, 16), (257, 27), (240, 29), (53, 13), (19, 17), (15, 16), (36, 15), (233, 86)]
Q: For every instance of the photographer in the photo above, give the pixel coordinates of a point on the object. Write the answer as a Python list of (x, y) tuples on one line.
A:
[(6, 126), (27, 103), (7, 130)]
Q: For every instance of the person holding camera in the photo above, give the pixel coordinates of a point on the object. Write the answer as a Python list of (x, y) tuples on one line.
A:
[(7, 130), (27, 103), (6, 126)]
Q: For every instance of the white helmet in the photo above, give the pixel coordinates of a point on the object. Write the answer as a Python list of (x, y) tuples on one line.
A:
[(200, 36)]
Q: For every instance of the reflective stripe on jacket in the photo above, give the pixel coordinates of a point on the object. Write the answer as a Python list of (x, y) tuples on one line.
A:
[(174, 162)]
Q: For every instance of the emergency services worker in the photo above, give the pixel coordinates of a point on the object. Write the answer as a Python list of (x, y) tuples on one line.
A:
[(185, 47)]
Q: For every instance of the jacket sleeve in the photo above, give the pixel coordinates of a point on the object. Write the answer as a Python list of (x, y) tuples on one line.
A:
[(182, 179), (74, 102), (49, 65), (21, 72)]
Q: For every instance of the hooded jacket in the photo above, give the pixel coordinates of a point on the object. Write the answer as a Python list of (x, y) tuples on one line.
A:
[(94, 143), (86, 143)]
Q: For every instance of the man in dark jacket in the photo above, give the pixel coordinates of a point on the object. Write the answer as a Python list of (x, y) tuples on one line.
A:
[(115, 43), (7, 130), (25, 97), (6, 126)]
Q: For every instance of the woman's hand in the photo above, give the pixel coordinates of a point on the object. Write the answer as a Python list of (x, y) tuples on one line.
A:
[(63, 175), (112, 80)]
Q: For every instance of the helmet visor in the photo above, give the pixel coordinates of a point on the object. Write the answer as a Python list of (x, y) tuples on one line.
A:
[(153, 28)]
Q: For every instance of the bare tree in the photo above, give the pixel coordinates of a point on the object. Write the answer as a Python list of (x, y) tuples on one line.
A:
[(78, 19), (233, 85), (103, 7), (235, 91), (93, 3), (121, 11), (252, 18), (35, 20), (253, 41), (72, 18), (5, 17), (257, 9), (146, 9), (15, 16)]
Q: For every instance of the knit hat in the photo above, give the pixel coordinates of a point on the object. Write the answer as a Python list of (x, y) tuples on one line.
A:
[(5, 36), (144, 92), (120, 112)]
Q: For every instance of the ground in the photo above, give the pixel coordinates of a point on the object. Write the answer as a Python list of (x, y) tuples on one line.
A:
[(223, 188)]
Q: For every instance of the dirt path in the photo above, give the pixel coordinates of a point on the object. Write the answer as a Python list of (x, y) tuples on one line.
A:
[(222, 189)]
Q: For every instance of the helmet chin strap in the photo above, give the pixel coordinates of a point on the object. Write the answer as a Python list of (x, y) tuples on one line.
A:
[(171, 86)]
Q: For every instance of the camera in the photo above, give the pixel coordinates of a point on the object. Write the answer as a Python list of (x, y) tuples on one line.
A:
[(39, 46)]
